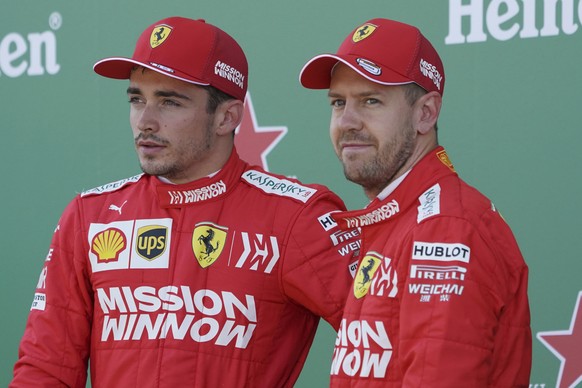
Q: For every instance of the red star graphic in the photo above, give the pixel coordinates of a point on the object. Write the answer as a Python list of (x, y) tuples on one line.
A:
[(252, 142), (566, 345)]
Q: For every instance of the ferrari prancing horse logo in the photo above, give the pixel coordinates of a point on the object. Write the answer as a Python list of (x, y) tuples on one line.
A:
[(208, 241), (159, 34), (363, 32), (365, 273)]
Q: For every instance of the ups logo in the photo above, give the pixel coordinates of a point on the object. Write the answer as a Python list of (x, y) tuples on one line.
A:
[(151, 241)]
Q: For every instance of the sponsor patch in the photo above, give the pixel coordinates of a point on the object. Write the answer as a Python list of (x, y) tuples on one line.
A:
[(369, 66), (151, 241), (430, 71), (430, 203), (113, 186), (380, 214), (180, 312), (159, 35), (135, 244), (229, 73), (363, 32), (435, 289), (260, 252), (41, 284), (327, 222), (431, 272), (352, 248), (282, 187), (181, 197), (342, 236), (362, 349), (108, 244), (162, 67), (441, 252), (39, 302), (208, 241), (353, 267), (444, 158), (385, 281)]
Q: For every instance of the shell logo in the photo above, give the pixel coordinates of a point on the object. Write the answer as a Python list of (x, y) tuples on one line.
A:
[(108, 244)]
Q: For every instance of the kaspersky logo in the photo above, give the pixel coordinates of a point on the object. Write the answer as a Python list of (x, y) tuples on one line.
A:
[(159, 35)]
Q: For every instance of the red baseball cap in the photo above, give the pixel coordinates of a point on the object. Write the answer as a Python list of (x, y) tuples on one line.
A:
[(384, 51), (190, 50)]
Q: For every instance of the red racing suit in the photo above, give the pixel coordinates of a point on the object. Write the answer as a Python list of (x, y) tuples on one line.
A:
[(439, 298), (217, 283)]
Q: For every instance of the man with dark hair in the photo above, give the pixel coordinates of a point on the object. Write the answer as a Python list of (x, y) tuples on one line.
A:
[(203, 271), (440, 294)]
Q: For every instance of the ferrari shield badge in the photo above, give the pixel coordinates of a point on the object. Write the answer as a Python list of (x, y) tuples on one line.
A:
[(159, 34), (208, 241), (363, 32), (365, 274)]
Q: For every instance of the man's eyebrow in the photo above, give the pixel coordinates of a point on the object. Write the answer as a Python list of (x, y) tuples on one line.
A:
[(369, 93), (159, 93)]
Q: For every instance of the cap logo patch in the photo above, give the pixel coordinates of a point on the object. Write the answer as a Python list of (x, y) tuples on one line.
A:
[(444, 158), (430, 71), (208, 240), (369, 66), (229, 73), (159, 35), (363, 32)]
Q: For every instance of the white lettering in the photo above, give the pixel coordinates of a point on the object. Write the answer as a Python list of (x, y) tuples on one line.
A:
[(134, 319), (503, 20), (13, 50), (361, 349)]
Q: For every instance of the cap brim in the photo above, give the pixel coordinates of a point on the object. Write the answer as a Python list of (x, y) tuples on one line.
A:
[(316, 74), (120, 68)]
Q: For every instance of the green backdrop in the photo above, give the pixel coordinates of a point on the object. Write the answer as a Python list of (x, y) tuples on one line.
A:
[(510, 122)]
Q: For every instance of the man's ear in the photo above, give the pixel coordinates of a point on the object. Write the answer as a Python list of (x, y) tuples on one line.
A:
[(228, 115), (426, 112)]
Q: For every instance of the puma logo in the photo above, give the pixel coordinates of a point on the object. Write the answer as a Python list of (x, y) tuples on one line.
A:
[(117, 208)]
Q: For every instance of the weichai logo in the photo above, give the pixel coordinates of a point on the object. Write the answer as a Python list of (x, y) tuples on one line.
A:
[(177, 312), (151, 241), (33, 53)]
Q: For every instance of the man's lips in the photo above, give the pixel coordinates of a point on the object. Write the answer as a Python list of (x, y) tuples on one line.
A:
[(354, 146), (149, 147), (149, 143)]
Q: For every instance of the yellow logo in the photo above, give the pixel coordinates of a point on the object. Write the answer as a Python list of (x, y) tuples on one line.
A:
[(365, 274), (363, 32), (159, 35), (208, 241), (108, 244), (444, 158), (151, 241)]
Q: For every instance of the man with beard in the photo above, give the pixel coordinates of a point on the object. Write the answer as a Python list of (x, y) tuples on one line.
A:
[(203, 271), (440, 295)]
